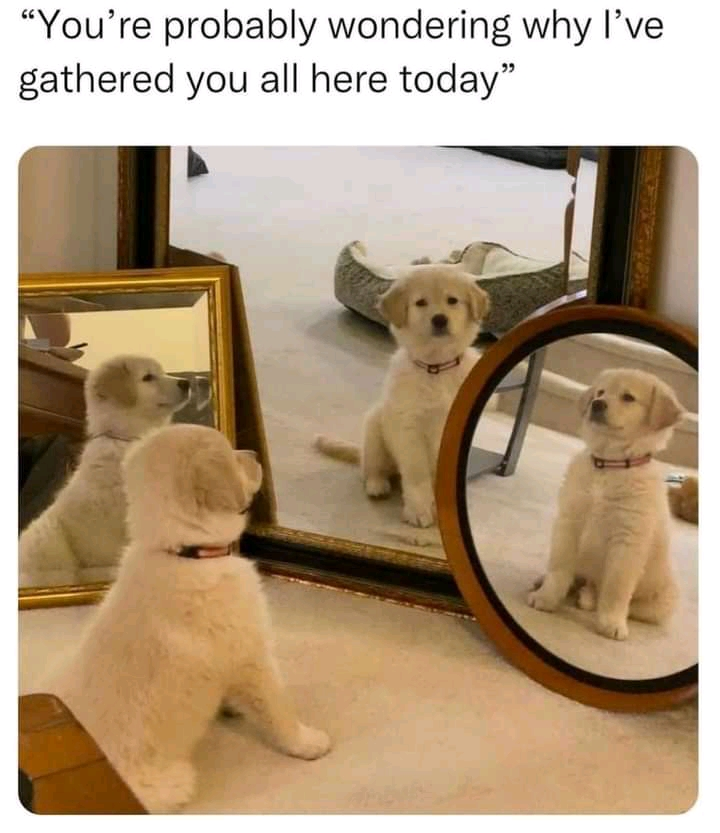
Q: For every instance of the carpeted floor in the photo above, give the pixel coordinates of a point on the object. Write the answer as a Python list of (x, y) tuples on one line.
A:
[(425, 717)]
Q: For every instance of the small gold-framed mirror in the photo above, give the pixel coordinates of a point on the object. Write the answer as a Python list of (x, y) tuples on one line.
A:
[(74, 324)]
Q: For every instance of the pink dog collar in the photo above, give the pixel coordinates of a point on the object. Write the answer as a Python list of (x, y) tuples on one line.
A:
[(434, 369), (627, 463), (203, 552)]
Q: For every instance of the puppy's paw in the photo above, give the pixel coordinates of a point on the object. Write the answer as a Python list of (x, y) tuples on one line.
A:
[(417, 514), (541, 601), (377, 487), (163, 789), (613, 627), (310, 744), (586, 598)]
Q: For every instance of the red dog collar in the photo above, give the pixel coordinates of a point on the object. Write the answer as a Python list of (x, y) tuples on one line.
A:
[(203, 552), (627, 463), (434, 369)]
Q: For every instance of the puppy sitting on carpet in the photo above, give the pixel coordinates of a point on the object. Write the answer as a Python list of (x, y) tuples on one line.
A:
[(184, 631), (610, 539), (435, 313)]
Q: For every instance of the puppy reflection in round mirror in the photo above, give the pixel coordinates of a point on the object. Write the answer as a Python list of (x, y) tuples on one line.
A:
[(567, 496)]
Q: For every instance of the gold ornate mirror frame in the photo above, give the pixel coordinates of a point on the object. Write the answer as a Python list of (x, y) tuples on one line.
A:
[(39, 374)]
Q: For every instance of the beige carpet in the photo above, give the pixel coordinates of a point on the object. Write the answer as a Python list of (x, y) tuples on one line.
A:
[(426, 718)]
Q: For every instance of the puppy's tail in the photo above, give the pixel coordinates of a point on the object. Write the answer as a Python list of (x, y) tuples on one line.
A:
[(337, 449)]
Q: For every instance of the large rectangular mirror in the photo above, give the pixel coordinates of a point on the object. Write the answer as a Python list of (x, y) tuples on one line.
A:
[(318, 233)]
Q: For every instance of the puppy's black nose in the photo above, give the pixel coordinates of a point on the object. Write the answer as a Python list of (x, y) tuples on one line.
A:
[(439, 321), (598, 406), (184, 385)]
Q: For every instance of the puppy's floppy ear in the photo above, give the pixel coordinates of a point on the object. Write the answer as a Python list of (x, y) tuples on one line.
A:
[(212, 485), (478, 300), (664, 410), (251, 469), (115, 382), (393, 304), (585, 400)]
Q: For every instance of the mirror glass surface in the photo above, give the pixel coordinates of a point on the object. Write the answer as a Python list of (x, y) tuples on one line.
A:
[(286, 217), (511, 514), (63, 336)]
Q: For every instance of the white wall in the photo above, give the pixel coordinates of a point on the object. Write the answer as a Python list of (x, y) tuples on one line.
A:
[(68, 209), (676, 291), (179, 338), (68, 220)]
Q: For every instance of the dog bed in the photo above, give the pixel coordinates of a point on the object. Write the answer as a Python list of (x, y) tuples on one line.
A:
[(517, 285)]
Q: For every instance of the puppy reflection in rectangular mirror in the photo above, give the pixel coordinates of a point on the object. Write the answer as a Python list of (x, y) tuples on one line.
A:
[(434, 313)]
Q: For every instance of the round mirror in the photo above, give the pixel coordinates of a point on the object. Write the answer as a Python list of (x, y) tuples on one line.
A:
[(567, 503)]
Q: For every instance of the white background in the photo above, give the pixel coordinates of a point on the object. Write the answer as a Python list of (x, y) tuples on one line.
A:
[(661, 92)]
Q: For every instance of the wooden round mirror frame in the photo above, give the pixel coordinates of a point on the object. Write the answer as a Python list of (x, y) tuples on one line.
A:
[(514, 642)]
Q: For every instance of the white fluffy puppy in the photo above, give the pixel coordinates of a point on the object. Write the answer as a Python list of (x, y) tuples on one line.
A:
[(435, 313), (84, 527), (184, 631), (611, 533)]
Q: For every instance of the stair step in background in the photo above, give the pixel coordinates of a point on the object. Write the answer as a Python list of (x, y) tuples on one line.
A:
[(582, 357), (556, 407)]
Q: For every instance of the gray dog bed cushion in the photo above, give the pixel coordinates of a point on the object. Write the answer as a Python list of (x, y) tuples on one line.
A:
[(517, 285)]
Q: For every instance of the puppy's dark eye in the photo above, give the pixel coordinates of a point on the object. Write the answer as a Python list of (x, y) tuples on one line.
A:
[(628, 397), (600, 392), (149, 377), (421, 302), (451, 300)]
